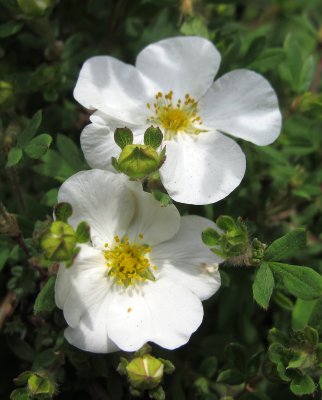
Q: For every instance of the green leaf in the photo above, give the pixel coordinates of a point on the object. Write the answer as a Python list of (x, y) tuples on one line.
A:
[(123, 137), (54, 166), (231, 376), (162, 197), (29, 132), (45, 301), (63, 211), (21, 349), (153, 137), (263, 285), (209, 366), (287, 246), (14, 156), (20, 394), (38, 146), (70, 152), (10, 28), (302, 312), (236, 356), (302, 282), (302, 385), (210, 237), (83, 232), (195, 26)]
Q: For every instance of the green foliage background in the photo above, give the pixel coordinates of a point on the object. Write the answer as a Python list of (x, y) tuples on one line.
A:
[(42, 46)]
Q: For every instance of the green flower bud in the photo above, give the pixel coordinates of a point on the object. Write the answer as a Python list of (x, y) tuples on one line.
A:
[(6, 93), (145, 372), (59, 242), (41, 383), (34, 8), (138, 161)]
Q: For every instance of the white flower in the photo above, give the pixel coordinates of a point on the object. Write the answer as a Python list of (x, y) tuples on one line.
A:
[(171, 86), (144, 274)]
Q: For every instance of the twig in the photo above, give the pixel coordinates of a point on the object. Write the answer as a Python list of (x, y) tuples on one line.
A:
[(7, 307), (17, 189)]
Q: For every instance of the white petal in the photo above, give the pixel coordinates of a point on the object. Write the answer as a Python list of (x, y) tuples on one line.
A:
[(185, 259), (97, 140), (243, 104), (98, 146), (165, 313), (81, 292), (202, 169), (116, 88), (102, 199), (154, 222), (182, 64)]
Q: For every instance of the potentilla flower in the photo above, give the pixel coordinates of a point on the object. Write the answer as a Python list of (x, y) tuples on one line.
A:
[(171, 86), (144, 274)]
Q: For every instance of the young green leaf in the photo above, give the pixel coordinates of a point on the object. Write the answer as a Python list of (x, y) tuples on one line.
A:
[(45, 300), (162, 197), (263, 285), (10, 28), (287, 246), (210, 237), (302, 282), (38, 146), (14, 156), (302, 385), (29, 132)]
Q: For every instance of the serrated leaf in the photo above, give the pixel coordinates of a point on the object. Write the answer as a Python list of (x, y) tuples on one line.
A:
[(29, 132), (45, 301), (83, 232), (263, 285), (302, 282), (302, 385), (287, 246), (38, 146), (14, 156)]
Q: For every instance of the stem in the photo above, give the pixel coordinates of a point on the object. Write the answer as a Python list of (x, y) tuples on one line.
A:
[(7, 307), (4, 213), (317, 78)]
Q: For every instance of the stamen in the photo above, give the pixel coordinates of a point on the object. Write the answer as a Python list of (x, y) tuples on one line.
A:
[(181, 116), (128, 263)]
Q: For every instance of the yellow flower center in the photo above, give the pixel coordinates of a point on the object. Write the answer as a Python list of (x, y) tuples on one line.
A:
[(181, 116), (128, 263)]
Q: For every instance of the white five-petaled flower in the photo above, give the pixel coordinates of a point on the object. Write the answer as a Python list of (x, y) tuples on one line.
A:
[(171, 86), (143, 275)]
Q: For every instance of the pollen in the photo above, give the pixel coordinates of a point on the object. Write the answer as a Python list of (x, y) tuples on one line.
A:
[(175, 116), (127, 263)]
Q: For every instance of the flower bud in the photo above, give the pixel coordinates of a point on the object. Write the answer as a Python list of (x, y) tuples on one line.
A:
[(145, 372), (138, 161), (59, 242), (34, 8)]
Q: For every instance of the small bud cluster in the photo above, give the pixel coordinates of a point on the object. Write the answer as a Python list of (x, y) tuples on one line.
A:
[(145, 373), (138, 161)]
